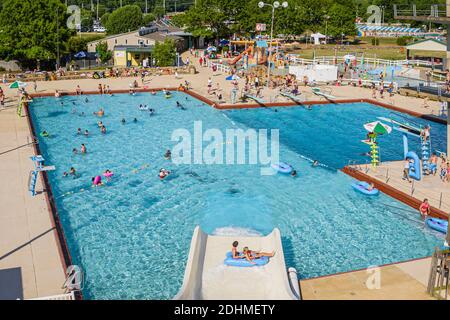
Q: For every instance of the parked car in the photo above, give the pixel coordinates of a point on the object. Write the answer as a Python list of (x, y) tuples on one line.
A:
[(99, 29)]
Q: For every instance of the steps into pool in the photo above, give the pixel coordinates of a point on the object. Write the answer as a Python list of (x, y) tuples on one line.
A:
[(207, 278)]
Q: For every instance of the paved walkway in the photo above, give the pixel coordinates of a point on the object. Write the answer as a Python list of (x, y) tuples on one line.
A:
[(27, 237), (403, 281), (430, 187)]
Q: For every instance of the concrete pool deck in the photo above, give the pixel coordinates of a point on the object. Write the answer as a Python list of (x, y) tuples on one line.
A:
[(28, 238), (401, 281), (430, 187)]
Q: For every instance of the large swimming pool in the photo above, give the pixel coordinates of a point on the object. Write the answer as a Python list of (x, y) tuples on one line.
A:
[(132, 236)]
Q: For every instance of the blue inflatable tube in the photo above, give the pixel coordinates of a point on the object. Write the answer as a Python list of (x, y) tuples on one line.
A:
[(282, 167), (363, 187), (243, 263), (414, 169), (437, 224)]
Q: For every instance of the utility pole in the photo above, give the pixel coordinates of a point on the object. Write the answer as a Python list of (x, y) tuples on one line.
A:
[(57, 39), (97, 10)]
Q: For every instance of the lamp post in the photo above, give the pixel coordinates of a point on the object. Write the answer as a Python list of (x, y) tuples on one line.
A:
[(274, 6), (326, 28)]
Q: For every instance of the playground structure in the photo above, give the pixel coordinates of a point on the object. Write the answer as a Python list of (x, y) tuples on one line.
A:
[(257, 53), (414, 130), (38, 167)]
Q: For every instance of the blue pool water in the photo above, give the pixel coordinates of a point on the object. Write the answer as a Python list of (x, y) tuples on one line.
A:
[(132, 236)]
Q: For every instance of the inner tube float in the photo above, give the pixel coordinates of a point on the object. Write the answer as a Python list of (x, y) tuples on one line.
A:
[(243, 263), (108, 174), (144, 108), (45, 134), (437, 224), (97, 181), (282, 167), (362, 186)]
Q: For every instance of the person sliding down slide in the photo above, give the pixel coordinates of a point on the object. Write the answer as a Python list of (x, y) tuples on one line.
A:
[(163, 173), (252, 255)]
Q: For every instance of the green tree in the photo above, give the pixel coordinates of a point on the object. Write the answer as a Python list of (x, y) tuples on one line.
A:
[(342, 20), (77, 44), (33, 30), (103, 53), (104, 18), (149, 18), (164, 53), (125, 19)]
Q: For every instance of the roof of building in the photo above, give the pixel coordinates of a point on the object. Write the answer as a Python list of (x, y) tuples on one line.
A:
[(134, 48), (163, 30), (428, 45)]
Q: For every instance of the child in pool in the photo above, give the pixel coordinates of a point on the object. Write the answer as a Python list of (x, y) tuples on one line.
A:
[(83, 149), (97, 181)]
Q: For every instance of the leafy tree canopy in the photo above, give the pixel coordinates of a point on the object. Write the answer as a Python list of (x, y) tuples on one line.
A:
[(33, 29), (125, 19), (164, 53)]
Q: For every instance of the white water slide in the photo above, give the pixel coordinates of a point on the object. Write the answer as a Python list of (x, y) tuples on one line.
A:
[(207, 278)]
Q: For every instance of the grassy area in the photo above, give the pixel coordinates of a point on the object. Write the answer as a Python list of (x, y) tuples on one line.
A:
[(91, 35), (387, 49)]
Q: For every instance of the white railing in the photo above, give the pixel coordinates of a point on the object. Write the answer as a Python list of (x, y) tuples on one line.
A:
[(294, 59), (67, 296), (219, 67)]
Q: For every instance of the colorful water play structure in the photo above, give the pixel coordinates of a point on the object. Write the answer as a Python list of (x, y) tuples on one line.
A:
[(409, 128), (375, 128)]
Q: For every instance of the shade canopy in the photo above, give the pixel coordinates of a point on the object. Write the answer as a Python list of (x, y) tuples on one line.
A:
[(378, 127), (17, 85)]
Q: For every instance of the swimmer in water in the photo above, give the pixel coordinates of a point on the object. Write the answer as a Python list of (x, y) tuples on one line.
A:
[(152, 112), (86, 133), (315, 163), (103, 129), (74, 151), (82, 114), (83, 149), (108, 174), (73, 172), (65, 174), (86, 100), (123, 121), (168, 155), (294, 173), (100, 124), (97, 181), (99, 113), (163, 173), (135, 120)]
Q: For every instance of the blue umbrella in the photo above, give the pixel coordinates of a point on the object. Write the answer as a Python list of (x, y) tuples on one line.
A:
[(80, 55)]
